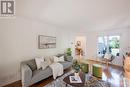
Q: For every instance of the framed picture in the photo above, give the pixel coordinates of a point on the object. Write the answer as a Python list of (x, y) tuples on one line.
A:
[(45, 42), (78, 43)]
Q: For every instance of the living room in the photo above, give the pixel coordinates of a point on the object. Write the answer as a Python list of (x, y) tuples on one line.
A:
[(67, 21)]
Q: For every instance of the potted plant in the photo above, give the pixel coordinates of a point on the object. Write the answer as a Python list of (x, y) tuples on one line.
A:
[(68, 52), (76, 66)]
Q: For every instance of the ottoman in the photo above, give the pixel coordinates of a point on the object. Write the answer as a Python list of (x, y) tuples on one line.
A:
[(84, 68), (97, 70)]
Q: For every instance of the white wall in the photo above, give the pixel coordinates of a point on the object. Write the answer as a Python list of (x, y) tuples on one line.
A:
[(18, 42), (92, 38)]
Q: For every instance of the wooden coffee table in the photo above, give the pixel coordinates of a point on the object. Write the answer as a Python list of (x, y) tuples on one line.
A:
[(82, 76)]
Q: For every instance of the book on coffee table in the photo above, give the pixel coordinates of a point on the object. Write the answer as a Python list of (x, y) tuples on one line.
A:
[(75, 79)]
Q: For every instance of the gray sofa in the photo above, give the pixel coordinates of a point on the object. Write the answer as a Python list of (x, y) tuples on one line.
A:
[(30, 74)]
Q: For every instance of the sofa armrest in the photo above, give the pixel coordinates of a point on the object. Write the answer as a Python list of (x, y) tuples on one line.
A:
[(26, 75)]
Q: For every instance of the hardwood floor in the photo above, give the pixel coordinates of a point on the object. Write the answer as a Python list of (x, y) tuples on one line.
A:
[(39, 84), (111, 74)]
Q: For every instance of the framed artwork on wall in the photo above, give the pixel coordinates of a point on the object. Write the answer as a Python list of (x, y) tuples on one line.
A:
[(46, 42), (78, 43)]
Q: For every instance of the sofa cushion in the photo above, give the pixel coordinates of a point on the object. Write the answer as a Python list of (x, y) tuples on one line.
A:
[(66, 64), (41, 74)]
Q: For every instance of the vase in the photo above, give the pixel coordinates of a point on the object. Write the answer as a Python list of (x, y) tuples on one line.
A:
[(76, 74)]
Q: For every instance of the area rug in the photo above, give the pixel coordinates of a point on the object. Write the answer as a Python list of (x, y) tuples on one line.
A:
[(92, 82)]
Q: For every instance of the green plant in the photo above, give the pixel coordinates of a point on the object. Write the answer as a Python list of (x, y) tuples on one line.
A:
[(114, 43), (76, 66), (69, 52)]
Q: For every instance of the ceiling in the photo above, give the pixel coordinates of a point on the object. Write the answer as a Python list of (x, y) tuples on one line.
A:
[(77, 14)]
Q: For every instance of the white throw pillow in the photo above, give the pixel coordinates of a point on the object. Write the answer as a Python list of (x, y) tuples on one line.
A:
[(59, 59), (44, 65), (55, 58), (38, 62), (48, 60)]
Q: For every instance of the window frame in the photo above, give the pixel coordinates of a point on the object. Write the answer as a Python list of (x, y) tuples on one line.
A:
[(107, 46)]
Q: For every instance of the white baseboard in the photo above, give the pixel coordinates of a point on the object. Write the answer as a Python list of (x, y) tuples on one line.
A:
[(5, 80)]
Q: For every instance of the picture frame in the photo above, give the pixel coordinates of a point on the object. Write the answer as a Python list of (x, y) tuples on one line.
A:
[(46, 42), (78, 43)]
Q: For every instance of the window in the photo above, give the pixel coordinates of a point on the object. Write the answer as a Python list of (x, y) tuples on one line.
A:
[(110, 44)]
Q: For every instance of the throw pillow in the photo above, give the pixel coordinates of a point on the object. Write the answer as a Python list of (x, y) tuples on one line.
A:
[(48, 60), (65, 57), (59, 59), (32, 64), (69, 58), (38, 62), (51, 59), (44, 65), (59, 55), (55, 59)]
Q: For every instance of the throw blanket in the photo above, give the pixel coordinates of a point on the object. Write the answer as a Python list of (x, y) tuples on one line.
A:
[(57, 69)]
